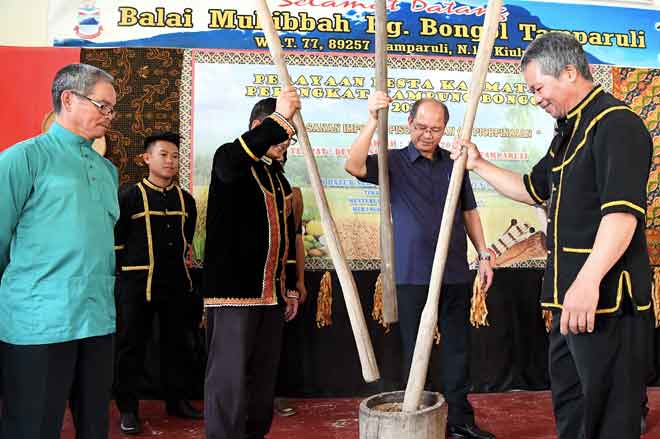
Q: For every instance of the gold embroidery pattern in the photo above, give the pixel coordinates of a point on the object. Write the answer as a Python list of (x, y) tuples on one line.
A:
[(150, 241)]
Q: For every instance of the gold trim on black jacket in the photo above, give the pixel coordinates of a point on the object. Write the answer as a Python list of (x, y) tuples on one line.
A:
[(597, 163), (249, 227), (153, 236)]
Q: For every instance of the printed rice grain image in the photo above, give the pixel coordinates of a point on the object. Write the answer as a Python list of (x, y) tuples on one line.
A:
[(201, 195), (361, 239)]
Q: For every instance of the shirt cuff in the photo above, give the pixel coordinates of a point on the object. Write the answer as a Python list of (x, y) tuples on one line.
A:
[(529, 186), (284, 123), (624, 206)]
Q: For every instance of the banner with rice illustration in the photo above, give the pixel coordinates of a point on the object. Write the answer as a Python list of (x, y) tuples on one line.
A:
[(509, 128)]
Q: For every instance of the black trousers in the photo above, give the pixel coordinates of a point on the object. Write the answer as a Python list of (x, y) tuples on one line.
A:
[(135, 318), (599, 379), (448, 369), (37, 381), (244, 351)]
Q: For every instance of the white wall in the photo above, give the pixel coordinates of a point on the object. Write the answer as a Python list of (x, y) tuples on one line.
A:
[(23, 22)]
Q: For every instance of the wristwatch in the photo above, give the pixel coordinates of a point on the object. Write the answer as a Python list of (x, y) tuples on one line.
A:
[(484, 256)]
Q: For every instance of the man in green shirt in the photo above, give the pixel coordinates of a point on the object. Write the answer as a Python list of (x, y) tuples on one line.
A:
[(57, 263)]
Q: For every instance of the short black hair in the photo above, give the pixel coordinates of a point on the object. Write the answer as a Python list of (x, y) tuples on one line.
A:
[(262, 110), (167, 136)]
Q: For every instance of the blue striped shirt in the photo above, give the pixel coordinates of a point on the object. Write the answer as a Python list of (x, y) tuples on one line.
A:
[(418, 189)]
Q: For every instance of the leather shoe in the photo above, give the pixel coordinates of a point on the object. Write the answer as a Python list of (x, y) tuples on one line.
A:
[(282, 408), (643, 425), (643, 422), (469, 431), (129, 423), (183, 409)]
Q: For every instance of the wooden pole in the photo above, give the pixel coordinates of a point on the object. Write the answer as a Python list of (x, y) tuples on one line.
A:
[(351, 297), (390, 312), (429, 317)]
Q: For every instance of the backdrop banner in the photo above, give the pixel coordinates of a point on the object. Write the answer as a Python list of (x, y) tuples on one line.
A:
[(509, 129), (611, 35)]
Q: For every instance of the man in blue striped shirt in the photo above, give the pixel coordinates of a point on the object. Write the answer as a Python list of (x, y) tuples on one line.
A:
[(419, 183), (57, 264)]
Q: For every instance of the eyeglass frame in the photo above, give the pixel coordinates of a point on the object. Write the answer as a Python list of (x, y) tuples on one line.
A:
[(104, 109), (436, 131)]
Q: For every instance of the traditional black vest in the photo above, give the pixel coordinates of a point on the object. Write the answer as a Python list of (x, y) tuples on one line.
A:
[(153, 235), (250, 231)]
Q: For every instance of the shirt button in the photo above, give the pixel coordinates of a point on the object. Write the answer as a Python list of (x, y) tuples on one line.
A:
[(549, 252), (170, 244), (549, 220)]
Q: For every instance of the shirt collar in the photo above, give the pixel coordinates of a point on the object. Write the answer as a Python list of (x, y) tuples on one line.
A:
[(150, 185), (275, 165), (588, 99), (67, 136), (413, 153)]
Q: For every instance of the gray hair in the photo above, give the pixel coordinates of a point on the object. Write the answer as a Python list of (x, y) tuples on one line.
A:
[(77, 77), (554, 51), (418, 103)]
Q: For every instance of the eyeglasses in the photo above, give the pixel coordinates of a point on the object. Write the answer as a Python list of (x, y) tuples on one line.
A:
[(435, 131), (105, 109), (293, 140)]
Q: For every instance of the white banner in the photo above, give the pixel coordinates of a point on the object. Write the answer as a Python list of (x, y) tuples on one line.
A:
[(610, 35)]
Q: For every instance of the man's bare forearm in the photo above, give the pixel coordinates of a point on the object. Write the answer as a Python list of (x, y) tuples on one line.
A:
[(474, 229), (508, 183), (356, 164)]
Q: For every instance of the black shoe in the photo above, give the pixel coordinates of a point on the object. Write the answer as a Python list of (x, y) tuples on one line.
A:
[(129, 423), (469, 431), (183, 409), (645, 414), (643, 425), (282, 408)]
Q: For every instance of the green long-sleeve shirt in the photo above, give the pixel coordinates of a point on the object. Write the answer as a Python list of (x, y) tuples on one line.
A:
[(58, 209)]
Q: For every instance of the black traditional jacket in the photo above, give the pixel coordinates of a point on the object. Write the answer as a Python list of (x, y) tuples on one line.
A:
[(153, 235), (250, 231), (598, 163)]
